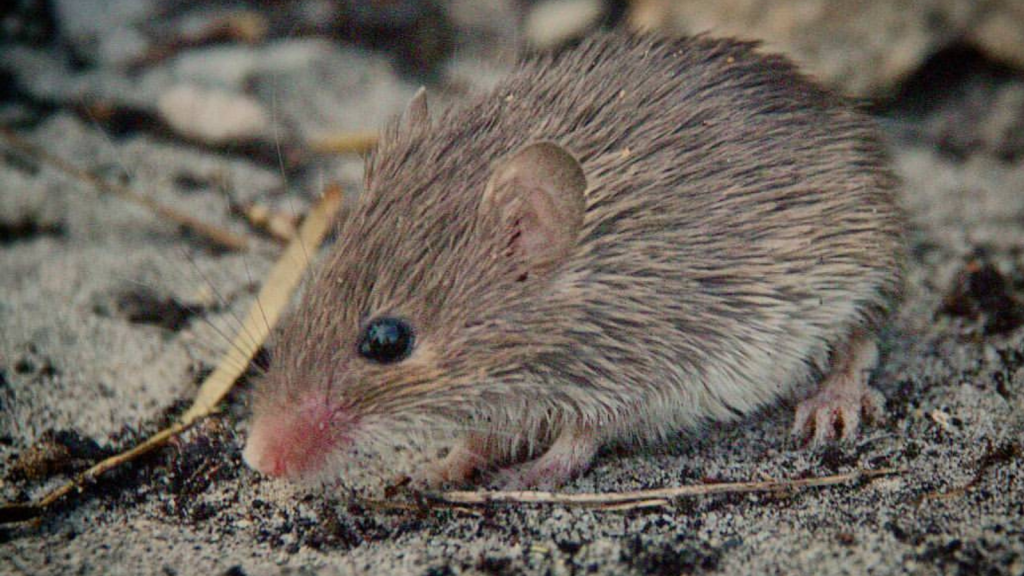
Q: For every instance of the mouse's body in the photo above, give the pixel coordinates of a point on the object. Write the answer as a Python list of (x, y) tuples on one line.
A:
[(617, 243)]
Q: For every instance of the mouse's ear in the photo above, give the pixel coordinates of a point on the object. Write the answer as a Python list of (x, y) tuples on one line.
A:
[(417, 112), (539, 195)]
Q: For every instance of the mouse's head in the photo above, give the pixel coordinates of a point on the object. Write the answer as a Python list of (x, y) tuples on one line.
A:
[(432, 304)]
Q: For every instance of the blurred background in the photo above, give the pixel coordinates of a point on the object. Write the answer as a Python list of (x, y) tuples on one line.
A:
[(911, 56), (946, 72)]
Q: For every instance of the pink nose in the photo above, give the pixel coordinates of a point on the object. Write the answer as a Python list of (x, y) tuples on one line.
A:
[(292, 443)]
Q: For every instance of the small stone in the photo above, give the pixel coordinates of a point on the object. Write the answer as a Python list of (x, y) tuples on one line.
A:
[(213, 117), (555, 22), (862, 48)]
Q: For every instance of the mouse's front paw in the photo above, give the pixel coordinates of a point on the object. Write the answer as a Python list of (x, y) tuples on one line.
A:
[(430, 476), (567, 458), (455, 469), (539, 474)]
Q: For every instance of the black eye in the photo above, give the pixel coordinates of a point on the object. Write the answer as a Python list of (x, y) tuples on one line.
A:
[(386, 340)]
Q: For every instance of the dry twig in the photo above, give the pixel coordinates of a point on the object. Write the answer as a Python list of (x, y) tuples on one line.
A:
[(218, 236), (647, 498)]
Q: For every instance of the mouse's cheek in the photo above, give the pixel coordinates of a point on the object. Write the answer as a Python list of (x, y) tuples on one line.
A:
[(295, 443)]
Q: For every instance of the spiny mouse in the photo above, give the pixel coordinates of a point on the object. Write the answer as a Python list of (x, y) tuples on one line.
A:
[(619, 242)]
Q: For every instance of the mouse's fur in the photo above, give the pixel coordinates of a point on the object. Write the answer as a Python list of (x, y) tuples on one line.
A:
[(739, 227)]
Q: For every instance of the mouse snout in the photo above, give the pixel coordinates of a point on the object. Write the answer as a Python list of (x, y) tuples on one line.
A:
[(296, 443)]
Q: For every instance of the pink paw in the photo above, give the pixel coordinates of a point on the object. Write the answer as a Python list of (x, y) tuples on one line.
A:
[(455, 469), (567, 458), (544, 473), (834, 413), (436, 474)]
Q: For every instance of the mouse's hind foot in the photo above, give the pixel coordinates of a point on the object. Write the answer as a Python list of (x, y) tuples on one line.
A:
[(844, 398)]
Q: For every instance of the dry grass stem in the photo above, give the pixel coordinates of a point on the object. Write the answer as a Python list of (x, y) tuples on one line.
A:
[(349, 143), (279, 226), (270, 304)]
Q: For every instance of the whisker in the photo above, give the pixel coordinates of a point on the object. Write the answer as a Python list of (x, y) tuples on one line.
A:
[(133, 175), (222, 188), (196, 313), (275, 127), (249, 278), (240, 327)]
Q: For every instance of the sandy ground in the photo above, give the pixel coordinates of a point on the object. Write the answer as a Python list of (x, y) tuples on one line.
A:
[(86, 363)]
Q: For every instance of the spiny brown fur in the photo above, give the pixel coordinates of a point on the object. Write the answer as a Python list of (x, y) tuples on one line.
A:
[(740, 224)]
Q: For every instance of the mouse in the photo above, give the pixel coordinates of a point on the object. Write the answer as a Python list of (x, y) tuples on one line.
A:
[(622, 242)]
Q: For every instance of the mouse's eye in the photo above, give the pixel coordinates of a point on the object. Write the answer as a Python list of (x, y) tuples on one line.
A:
[(386, 340)]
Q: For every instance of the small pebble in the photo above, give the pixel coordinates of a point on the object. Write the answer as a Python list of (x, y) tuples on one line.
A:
[(555, 22), (214, 117)]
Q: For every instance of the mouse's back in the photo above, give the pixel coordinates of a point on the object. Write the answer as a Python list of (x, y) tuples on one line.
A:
[(739, 220)]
